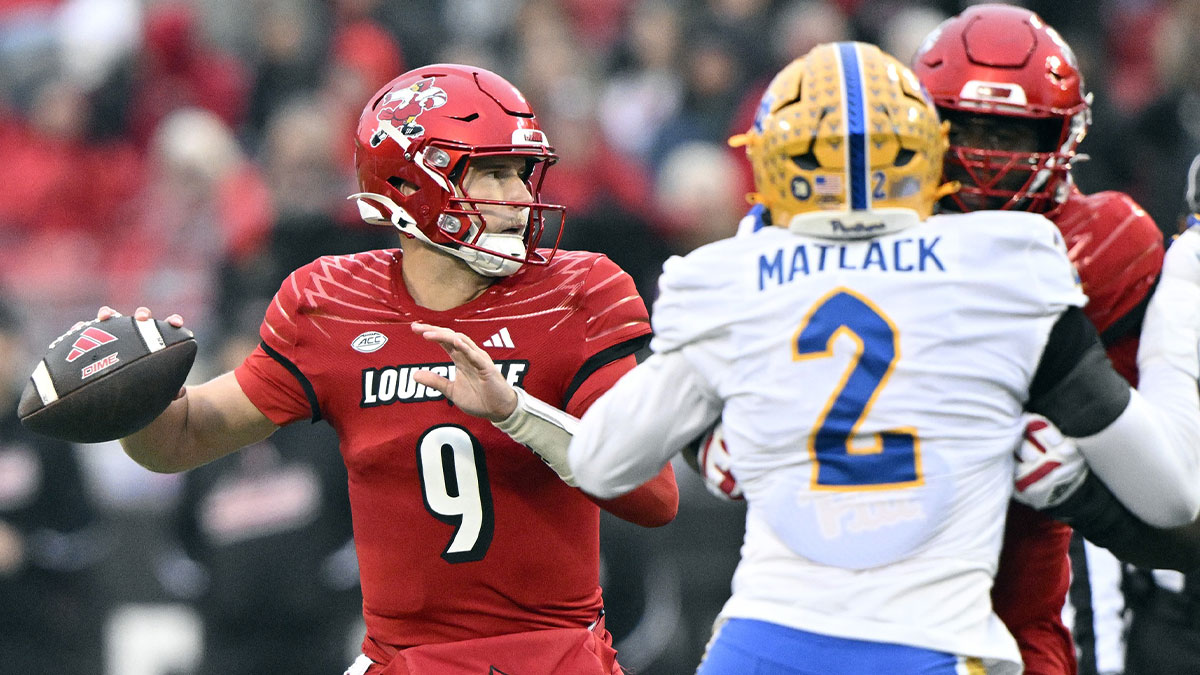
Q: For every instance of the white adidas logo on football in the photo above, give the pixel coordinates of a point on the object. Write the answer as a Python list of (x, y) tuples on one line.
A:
[(500, 339)]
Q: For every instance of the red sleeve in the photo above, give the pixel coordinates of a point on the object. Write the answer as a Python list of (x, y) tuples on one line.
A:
[(272, 388), (270, 376), (656, 502)]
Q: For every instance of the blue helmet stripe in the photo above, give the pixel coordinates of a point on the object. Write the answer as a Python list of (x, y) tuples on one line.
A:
[(856, 123)]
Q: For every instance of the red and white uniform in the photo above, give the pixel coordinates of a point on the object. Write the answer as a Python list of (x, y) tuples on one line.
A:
[(1118, 251), (461, 532)]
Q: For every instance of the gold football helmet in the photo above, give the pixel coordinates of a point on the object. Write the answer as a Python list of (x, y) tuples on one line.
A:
[(846, 144)]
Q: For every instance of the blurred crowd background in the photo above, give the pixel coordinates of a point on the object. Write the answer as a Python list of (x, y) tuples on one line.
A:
[(188, 155)]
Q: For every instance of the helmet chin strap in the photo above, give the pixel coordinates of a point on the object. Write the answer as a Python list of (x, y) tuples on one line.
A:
[(487, 264)]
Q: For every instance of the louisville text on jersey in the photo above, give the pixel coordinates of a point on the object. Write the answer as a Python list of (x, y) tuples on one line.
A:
[(395, 384)]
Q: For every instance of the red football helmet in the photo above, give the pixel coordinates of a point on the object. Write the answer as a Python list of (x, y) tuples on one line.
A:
[(1003, 64), (415, 140)]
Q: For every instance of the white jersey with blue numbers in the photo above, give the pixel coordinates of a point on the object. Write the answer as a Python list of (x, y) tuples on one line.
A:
[(871, 395)]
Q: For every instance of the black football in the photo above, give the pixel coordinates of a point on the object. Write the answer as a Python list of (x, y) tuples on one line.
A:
[(107, 379)]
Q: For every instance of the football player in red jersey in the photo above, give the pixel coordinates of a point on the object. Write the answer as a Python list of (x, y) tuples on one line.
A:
[(474, 554), (1015, 99)]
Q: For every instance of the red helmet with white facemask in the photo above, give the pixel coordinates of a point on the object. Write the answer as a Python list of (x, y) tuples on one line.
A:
[(1005, 63), (416, 139)]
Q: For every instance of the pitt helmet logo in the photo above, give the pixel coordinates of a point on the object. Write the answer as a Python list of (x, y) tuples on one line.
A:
[(402, 107)]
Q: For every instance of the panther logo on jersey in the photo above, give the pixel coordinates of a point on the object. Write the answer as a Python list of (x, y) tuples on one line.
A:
[(404, 106)]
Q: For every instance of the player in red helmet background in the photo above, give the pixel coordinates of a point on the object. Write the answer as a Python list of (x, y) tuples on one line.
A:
[(1018, 108), (474, 554)]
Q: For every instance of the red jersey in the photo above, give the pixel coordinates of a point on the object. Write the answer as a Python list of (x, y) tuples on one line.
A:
[(461, 533), (1118, 252)]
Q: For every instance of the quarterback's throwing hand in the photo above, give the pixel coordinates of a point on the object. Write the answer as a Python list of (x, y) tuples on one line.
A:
[(1049, 466), (477, 388)]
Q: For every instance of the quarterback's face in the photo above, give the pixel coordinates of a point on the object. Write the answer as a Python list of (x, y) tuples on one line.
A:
[(501, 179)]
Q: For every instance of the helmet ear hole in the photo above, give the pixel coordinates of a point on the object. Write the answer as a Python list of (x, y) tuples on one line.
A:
[(457, 172), (903, 157), (527, 170), (402, 186)]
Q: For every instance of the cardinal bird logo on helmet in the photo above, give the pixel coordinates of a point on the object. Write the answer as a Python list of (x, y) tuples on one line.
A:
[(402, 108)]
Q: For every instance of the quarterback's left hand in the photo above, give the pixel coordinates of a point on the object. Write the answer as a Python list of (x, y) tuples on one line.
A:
[(478, 388), (1049, 466)]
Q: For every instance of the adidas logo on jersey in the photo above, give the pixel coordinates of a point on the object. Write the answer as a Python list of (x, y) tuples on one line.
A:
[(500, 339), (395, 384)]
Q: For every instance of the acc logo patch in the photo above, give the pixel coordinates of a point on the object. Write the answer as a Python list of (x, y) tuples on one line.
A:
[(369, 341), (402, 107)]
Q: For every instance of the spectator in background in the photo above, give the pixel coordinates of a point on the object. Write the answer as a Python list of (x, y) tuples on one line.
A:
[(804, 24), (55, 54), (714, 86), (646, 91), (696, 201), (1166, 135), (177, 68), (291, 50), (800, 26), (363, 56), (905, 30), (744, 23), (598, 24), (61, 196), (50, 541), (205, 203)]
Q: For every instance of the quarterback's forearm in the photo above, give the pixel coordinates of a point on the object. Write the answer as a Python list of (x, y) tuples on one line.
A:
[(654, 504), (209, 421)]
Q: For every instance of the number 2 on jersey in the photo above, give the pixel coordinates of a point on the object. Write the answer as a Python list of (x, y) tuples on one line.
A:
[(892, 459), (454, 485)]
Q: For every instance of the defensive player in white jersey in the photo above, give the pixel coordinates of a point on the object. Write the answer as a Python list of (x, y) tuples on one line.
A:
[(871, 364)]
